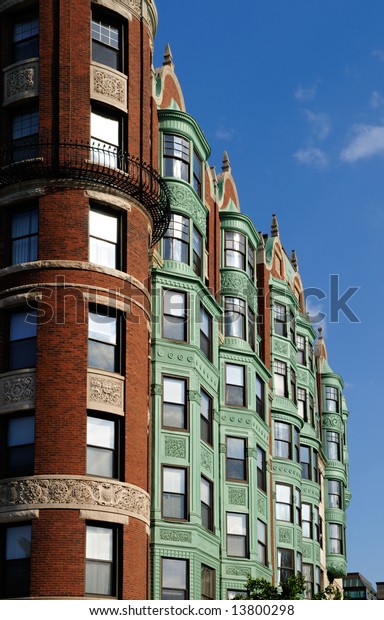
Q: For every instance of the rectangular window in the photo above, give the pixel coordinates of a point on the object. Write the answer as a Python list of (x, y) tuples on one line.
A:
[(283, 440), (206, 497), (285, 568), (234, 317), (197, 173), (334, 494), (175, 403), (280, 378), (206, 418), (197, 258), (315, 466), (261, 469), (25, 135), (251, 261), (251, 329), (208, 579), (311, 411), (234, 250), (316, 523), (20, 446), (293, 386), (305, 460), (176, 239), (104, 235), (174, 493), (292, 326), (100, 568), (333, 446), (237, 535), (335, 538), (280, 323), (302, 404), (299, 562), (306, 517), (297, 506), (174, 579), (102, 447), (321, 526), (262, 542), (331, 399), (176, 157), (106, 143), (206, 333), (310, 356), (25, 40), (175, 315), (22, 339), (104, 340), (16, 558), (24, 236), (106, 42), (284, 502), (236, 458), (318, 580), (235, 385), (260, 397), (308, 577), (300, 355)]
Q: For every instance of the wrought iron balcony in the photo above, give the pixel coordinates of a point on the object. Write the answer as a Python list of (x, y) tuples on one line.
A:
[(88, 165)]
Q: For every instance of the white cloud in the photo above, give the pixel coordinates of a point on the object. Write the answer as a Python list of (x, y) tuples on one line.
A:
[(306, 94), (224, 133), (376, 99), (320, 124), (312, 156), (368, 140)]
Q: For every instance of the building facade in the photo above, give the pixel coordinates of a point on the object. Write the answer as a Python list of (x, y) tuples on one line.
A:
[(169, 422)]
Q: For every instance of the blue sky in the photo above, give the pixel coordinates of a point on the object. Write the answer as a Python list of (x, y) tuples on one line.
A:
[(294, 91)]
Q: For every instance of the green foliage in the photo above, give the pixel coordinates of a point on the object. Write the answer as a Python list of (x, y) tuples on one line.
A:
[(331, 593), (293, 589)]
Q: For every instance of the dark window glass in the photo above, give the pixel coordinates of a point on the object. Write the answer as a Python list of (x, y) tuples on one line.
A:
[(16, 561), (197, 252), (208, 579), (26, 39), (334, 494), (331, 399), (174, 493), (175, 402), (280, 322), (176, 157), (100, 564), (25, 135), (101, 447), (106, 43), (103, 340), (236, 458), (305, 459), (308, 577), (197, 173), (22, 339), (234, 250), (283, 440), (292, 326), (24, 236), (20, 446), (206, 496), (298, 506), (205, 333), (235, 385), (293, 385), (300, 356), (251, 329), (333, 446), (174, 315), (262, 542), (174, 579), (261, 469), (285, 568), (206, 417), (260, 390), (251, 261)]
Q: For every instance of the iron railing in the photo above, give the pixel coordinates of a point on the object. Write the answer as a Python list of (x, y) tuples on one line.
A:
[(88, 165)]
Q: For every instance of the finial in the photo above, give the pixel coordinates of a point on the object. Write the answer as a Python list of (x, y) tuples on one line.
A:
[(226, 166), (294, 262), (274, 226), (262, 244), (168, 59), (320, 330)]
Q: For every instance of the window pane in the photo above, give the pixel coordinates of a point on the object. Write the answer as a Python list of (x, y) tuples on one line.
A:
[(174, 480), (21, 431), (98, 578), (18, 542), (100, 462), (99, 544), (23, 325), (236, 523), (174, 574), (101, 432), (235, 374), (102, 328), (104, 129)]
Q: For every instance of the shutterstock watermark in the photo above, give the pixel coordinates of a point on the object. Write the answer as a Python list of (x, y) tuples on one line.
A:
[(338, 304)]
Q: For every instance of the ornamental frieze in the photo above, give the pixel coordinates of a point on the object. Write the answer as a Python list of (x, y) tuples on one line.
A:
[(285, 535), (173, 536), (337, 569), (236, 570), (105, 392), (79, 493), (17, 391), (261, 505), (206, 460), (332, 421), (237, 496), (106, 85), (183, 198), (175, 447), (21, 81)]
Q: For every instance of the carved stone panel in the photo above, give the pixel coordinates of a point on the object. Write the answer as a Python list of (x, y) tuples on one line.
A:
[(21, 81), (175, 447), (105, 392), (109, 86), (237, 496), (17, 391)]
